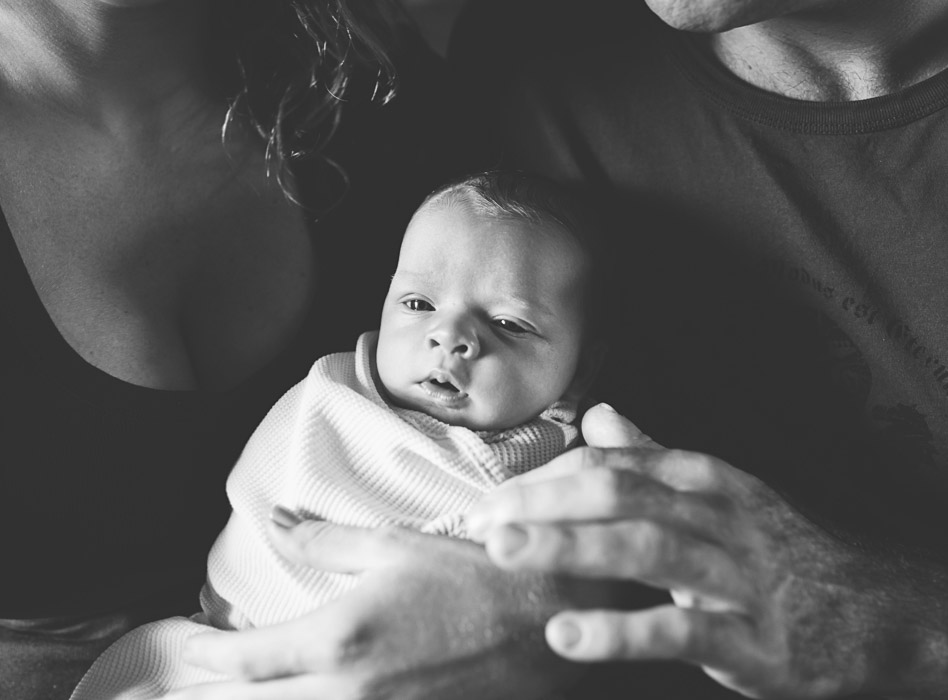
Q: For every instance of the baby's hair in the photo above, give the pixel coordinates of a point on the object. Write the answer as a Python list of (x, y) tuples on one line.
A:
[(513, 194)]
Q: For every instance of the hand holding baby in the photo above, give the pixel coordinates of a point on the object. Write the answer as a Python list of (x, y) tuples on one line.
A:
[(767, 603), (476, 632)]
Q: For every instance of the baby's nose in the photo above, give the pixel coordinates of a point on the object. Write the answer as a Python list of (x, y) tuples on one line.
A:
[(455, 339)]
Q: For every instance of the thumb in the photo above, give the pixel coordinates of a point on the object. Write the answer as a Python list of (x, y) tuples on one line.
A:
[(603, 427)]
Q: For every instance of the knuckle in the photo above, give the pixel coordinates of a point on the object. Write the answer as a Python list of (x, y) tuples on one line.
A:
[(721, 514), (307, 653), (671, 634), (559, 545), (606, 489), (355, 646), (675, 456), (346, 647), (701, 571), (391, 538), (679, 637), (591, 457), (244, 667), (685, 461), (607, 639), (389, 534), (701, 470), (651, 545)]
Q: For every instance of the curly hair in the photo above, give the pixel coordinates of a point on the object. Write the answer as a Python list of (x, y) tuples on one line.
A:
[(295, 62)]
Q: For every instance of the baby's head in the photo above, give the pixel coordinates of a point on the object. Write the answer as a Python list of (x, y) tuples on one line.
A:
[(487, 320)]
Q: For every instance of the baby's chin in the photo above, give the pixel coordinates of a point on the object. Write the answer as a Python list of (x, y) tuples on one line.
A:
[(477, 418), (476, 423), (464, 418), (473, 415)]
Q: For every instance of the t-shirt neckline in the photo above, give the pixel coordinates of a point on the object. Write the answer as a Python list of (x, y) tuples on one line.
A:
[(818, 118)]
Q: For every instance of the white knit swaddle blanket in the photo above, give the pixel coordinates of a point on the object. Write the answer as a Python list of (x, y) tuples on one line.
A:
[(330, 448)]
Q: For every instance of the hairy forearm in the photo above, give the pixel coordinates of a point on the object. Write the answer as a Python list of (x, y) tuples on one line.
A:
[(903, 622), (912, 659)]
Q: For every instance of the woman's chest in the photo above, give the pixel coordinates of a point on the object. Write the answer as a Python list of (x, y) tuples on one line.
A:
[(171, 273)]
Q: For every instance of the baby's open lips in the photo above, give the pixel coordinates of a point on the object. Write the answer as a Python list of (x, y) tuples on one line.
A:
[(444, 389), (442, 380), (444, 385)]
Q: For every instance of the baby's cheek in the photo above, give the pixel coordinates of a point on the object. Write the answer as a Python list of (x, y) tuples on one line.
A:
[(390, 370), (526, 395), (554, 372)]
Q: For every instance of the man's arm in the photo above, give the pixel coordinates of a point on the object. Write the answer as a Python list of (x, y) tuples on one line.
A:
[(766, 602)]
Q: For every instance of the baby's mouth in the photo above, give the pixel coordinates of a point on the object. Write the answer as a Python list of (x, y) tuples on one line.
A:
[(444, 385)]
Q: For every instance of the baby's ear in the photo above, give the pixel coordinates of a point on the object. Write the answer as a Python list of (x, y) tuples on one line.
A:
[(590, 362)]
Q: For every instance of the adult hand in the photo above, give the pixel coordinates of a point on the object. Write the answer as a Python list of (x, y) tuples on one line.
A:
[(431, 617), (766, 603)]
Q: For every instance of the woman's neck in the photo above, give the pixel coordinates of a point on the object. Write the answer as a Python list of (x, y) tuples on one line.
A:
[(111, 64), (840, 51)]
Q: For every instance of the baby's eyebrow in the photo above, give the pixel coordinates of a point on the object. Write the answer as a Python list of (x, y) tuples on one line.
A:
[(417, 276), (431, 280), (534, 305)]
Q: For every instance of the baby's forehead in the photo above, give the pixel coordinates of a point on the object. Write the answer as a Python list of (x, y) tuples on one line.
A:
[(453, 216), (494, 258)]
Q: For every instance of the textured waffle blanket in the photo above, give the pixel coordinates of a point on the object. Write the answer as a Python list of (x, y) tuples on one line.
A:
[(331, 448)]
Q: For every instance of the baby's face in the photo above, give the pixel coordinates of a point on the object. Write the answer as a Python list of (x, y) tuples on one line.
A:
[(482, 326)]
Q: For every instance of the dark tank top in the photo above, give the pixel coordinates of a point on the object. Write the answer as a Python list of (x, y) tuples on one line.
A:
[(111, 493)]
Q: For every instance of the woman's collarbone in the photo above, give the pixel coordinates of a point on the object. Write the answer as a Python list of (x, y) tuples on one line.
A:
[(182, 284)]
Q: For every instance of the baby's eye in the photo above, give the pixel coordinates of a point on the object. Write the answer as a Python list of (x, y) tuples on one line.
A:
[(418, 305), (510, 326)]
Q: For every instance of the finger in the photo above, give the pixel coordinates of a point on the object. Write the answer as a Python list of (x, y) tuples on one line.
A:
[(338, 548), (682, 470), (575, 461), (265, 652), (640, 550), (679, 469), (320, 642), (566, 464), (505, 504), (297, 688), (598, 494), (722, 642), (603, 427), (335, 636)]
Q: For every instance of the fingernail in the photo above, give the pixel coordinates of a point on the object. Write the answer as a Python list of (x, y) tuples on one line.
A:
[(564, 634), (607, 407), (511, 539), (284, 518)]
